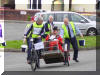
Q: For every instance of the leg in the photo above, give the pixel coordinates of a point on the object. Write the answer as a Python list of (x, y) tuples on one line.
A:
[(75, 47), (38, 52), (29, 49), (65, 52), (67, 41)]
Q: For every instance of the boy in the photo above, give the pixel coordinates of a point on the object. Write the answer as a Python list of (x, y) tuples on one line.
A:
[(54, 42)]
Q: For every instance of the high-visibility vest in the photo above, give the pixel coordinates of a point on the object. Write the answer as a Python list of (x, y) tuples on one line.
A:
[(36, 30), (48, 32), (28, 25), (1, 46), (66, 35)]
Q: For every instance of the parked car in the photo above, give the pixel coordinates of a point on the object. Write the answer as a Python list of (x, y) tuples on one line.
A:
[(86, 26)]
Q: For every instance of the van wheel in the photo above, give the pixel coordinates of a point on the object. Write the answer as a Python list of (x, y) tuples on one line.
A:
[(92, 32)]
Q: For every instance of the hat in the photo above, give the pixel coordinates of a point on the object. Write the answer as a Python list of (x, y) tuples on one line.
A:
[(55, 28)]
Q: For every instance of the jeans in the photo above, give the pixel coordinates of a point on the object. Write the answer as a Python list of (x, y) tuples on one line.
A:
[(36, 40), (29, 43)]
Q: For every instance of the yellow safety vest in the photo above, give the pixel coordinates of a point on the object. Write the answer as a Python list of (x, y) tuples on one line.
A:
[(1, 46), (48, 32), (66, 35), (36, 26)]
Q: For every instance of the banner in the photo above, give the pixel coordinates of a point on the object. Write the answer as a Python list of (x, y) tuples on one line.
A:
[(1, 46)]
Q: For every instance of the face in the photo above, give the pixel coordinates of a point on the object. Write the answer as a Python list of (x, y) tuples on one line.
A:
[(66, 21), (55, 32), (50, 19), (40, 22)]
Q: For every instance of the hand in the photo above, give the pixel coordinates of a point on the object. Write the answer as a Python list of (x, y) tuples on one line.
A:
[(24, 40), (49, 35), (39, 36), (81, 35)]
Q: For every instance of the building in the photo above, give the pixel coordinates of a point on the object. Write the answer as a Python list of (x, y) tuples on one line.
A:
[(53, 5), (7, 3)]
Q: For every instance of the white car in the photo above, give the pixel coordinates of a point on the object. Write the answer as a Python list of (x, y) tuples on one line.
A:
[(86, 26)]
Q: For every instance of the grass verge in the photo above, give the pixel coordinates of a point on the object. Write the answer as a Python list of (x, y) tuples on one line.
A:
[(90, 42)]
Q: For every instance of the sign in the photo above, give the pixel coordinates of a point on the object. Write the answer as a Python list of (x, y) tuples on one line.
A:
[(1, 62), (37, 30), (65, 49), (39, 45), (1, 33), (23, 12), (52, 37)]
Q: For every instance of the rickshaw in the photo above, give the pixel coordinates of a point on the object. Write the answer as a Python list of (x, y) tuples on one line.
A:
[(50, 54)]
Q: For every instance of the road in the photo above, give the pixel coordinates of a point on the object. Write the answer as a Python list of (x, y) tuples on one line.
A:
[(14, 30), (17, 62)]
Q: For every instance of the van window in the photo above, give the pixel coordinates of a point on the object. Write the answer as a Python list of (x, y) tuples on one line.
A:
[(46, 16), (77, 18), (60, 16)]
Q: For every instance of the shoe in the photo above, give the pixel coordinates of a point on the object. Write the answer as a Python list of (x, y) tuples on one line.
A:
[(28, 61), (64, 63), (76, 60), (38, 66)]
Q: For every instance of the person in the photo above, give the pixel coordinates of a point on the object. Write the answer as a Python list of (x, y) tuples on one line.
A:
[(56, 36), (37, 29), (68, 32), (49, 26), (28, 37)]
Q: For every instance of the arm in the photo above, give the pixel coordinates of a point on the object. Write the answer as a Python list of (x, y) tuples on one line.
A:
[(61, 33), (47, 38), (42, 33), (46, 27), (78, 31), (27, 30), (60, 39)]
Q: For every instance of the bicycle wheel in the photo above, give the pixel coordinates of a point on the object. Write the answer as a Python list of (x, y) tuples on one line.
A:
[(33, 66), (33, 61)]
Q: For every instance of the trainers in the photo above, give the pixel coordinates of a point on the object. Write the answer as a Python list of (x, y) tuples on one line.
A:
[(76, 60)]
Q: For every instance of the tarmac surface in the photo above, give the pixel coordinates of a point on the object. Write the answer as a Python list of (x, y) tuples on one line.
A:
[(16, 61)]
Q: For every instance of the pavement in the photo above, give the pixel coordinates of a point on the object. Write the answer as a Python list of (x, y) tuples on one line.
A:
[(16, 61)]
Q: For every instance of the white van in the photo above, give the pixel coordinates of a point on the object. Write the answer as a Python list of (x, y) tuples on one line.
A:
[(86, 26)]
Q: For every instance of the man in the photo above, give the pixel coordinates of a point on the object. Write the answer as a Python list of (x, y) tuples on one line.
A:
[(68, 32), (49, 26), (37, 30), (28, 37)]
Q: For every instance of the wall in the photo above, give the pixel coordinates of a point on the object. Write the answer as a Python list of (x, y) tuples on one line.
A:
[(46, 4), (10, 14), (21, 4), (84, 7)]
